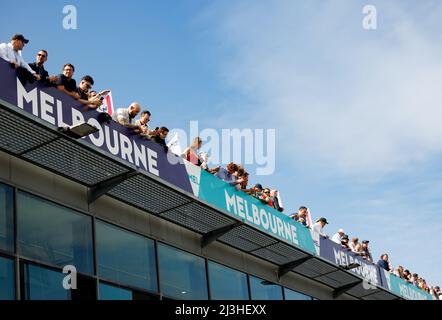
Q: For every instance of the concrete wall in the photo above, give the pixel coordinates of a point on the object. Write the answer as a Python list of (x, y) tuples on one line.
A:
[(46, 184)]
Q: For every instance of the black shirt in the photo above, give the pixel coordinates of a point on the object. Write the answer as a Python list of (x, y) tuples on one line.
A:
[(69, 85), (40, 70)]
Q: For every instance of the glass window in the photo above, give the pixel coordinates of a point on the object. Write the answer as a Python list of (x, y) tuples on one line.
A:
[(44, 284), (125, 257), (264, 290), (108, 292), (7, 279), (54, 234), (6, 218), (182, 275), (227, 283), (295, 295)]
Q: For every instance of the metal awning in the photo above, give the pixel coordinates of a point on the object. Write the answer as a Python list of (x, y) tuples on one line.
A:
[(31, 139)]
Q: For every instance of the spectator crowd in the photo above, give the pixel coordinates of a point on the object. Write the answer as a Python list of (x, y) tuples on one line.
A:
[(233, 174)]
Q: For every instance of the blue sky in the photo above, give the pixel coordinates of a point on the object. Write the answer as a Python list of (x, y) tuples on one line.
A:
[(356, 112)]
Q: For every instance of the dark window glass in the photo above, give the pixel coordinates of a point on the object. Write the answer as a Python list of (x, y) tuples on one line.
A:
[(125, 257), (6, 219), (108, 292), (294, 295), (44, 284), (182, 275), (7, 279), (227, 283), (264, 290), (53, 234)]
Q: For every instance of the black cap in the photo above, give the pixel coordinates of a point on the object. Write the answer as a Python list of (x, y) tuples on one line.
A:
[(365, 241), (19, 37), (259, 186), (322, 220), (345, 237)]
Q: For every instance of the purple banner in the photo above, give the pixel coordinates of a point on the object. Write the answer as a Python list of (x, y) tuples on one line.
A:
[(59, 109)]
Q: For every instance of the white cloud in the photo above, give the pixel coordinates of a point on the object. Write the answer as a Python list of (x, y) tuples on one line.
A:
[(360, 101)]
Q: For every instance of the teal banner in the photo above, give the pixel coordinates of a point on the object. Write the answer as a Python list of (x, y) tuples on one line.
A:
[(253, 212)]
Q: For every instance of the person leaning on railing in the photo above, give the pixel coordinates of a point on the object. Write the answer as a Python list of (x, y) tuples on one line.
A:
[(126, 116), (11, 52), (159, 136), (191, 152), (38, 67)]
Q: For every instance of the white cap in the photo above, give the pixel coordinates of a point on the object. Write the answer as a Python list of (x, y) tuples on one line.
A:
[(341, 231)]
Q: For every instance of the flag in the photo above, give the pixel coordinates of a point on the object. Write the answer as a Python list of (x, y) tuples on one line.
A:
[(108, 104), (309, 218), (174, 145)]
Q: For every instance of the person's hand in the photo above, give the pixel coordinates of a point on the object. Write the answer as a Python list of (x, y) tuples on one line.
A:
[(14, 64), (37, 77), (76, 95)]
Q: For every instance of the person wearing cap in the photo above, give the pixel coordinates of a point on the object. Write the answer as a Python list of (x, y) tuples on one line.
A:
[(319, 225), (365, 251), (11, 52), (337, 237)]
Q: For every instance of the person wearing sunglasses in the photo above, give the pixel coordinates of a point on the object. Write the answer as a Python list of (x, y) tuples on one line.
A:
[(86, 84)]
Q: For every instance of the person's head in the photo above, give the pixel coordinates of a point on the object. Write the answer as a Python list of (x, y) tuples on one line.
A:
[(365, 244), (68, 70), (134, 109), (384, 257), (232, 168), (163, 131), (266, 192), (322, 221), (355, 240), (18, 42), (302, 211), (145, 116), (258, 187), (197, 143), (341, 232), (86, 83), (437, 289), (42, 57), (344, 239), (92, 94), (274, 193)]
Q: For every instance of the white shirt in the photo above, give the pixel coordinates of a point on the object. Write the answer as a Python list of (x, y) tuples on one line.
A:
[(8, 53)]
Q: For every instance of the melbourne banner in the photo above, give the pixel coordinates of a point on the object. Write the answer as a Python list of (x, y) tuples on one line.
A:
[(403, 288), (373, 274), (252, 211), (60, 110)]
